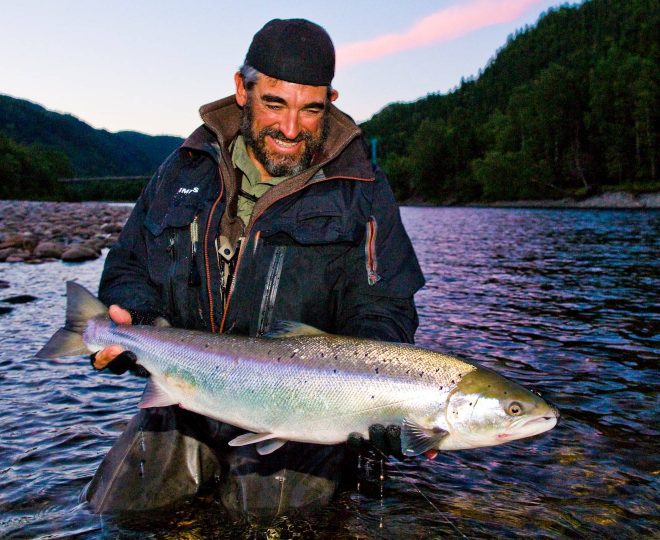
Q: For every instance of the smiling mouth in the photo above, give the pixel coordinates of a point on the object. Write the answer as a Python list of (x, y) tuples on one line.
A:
[(284, 145)]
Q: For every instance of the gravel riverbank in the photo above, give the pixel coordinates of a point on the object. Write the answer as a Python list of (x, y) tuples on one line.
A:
[(37, 232)]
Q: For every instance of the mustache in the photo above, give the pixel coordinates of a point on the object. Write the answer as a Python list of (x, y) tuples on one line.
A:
[(277, 134)]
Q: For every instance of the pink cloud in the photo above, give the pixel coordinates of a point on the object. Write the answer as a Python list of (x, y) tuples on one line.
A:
[(441, 26)]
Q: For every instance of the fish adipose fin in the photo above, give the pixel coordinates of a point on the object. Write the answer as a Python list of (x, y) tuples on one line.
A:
[(252, 438), (288, 329), (81, 305), (155, 396), (416, 439)]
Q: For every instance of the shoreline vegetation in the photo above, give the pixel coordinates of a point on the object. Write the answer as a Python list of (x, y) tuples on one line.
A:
[(37, 232)]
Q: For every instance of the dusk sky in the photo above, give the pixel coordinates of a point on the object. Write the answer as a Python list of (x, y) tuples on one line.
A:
[(148, 65)]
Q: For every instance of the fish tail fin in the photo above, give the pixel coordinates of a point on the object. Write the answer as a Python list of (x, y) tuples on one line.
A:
[(81, 306)]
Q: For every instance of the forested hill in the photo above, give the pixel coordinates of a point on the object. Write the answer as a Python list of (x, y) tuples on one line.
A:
[(569, 106), (37, 146)]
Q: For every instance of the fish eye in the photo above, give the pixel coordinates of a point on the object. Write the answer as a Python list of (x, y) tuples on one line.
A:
[(514, 409)]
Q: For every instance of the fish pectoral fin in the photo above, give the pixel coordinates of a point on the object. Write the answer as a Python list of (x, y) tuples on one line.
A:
[(416, 439), (155, 396), (251, 438), (287, 329), (268, 447)]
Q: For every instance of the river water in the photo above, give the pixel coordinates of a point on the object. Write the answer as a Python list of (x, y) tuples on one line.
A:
[(562, 301)]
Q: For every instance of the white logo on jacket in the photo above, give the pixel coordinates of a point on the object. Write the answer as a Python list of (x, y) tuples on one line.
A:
[(187, 191)]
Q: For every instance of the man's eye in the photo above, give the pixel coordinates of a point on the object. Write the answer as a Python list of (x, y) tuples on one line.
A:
[(272, 107)]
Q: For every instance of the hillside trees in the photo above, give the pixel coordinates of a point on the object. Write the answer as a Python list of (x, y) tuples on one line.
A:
[(568, 107)]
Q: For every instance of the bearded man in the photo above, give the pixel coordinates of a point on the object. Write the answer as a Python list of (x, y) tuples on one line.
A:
[(271, 210)]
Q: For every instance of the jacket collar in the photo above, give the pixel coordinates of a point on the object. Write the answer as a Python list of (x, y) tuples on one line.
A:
[(222, 119)]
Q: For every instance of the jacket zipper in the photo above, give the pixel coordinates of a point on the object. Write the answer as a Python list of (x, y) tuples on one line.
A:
[(194, 279), (171, 248), (249, 231), (270, 290), (370, 251)]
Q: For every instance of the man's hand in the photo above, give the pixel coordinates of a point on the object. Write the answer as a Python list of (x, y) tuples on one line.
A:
[(386, 440), (114, 357), (101, 359)]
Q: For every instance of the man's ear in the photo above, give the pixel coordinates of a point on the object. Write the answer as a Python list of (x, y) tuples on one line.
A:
[(333, 95), (241, 91)]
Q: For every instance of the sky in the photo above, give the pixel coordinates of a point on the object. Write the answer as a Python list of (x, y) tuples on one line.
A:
[(148, 65)]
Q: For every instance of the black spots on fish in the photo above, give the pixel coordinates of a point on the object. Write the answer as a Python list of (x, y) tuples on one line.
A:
[(407, 371), (279, 359), (334, 371), (270, 351), (372, 397), (441, 387), (206, 345), (453, 381), (376, 370), (293, 355), (322, 355), (366, 354), (355, 353), (421, 373), (437, 369)]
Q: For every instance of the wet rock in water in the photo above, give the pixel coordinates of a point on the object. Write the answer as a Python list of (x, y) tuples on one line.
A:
[(5, 309), (18, 255), (20, 299), (79, 253), (45, 250), (7, 252)]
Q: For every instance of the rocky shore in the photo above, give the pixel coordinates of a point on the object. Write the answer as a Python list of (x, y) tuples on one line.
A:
[(37, 232)]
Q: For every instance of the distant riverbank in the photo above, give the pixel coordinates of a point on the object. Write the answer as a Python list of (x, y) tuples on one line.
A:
[(36, 232), (615, 200), (611, 200)]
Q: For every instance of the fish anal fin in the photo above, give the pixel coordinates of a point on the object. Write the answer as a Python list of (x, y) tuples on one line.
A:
[(417, 439), (251, 438), (268, 447), (155, 396), (288, 329)]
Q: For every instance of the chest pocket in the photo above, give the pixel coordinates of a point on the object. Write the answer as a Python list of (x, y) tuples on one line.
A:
[(315, 220), (170, 252)]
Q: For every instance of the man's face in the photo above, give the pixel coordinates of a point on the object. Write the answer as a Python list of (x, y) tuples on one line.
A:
[(284, 124)]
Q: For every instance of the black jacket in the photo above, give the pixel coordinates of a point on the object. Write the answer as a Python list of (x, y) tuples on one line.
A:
[(326, 247)]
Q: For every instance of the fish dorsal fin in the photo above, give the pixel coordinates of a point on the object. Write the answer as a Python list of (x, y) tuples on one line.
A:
[(268, 447), (287, 329), (251, 438), (416, 439), (155, 396)]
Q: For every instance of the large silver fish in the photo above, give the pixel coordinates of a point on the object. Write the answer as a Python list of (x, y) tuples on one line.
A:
[(309, 386)]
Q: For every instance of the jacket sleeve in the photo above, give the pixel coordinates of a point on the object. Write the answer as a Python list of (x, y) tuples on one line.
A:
[(125, 278), (383, 275)]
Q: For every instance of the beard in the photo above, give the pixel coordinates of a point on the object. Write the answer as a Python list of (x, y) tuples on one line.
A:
[(281, 164)]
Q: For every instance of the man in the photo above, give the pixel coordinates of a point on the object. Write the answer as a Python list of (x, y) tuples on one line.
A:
[(271, 210)]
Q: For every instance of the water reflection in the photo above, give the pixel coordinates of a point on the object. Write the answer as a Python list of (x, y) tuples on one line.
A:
[(562, 301)]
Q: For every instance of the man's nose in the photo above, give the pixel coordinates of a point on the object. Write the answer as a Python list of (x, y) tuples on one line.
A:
[(290, 125)]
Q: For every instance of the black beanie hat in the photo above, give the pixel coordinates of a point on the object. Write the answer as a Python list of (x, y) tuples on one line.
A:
[(294, 50)]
